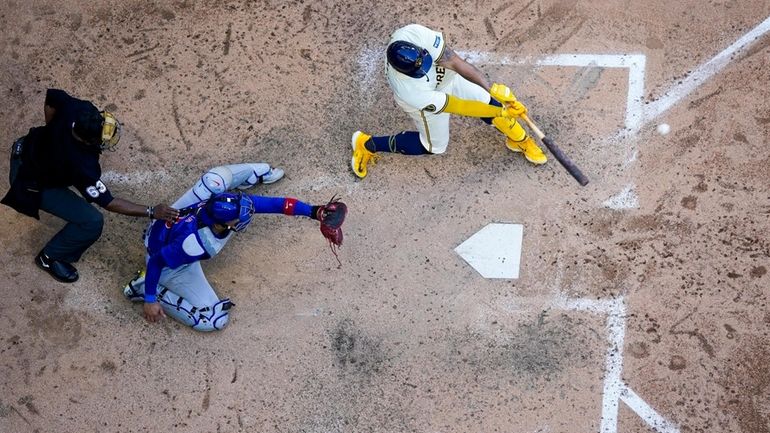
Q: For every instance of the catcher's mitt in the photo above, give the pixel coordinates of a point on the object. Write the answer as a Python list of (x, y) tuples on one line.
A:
[(331, 216)]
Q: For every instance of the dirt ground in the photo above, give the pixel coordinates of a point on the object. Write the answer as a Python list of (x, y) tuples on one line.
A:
[(405, 336)]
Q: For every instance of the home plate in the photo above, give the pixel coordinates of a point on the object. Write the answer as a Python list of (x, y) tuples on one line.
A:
[(494, 251)]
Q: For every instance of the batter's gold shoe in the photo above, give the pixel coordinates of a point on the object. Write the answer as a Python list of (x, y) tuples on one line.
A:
[(532, 151), (361, 155)]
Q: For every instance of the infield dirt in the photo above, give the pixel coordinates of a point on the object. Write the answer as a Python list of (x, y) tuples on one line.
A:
[(404, 336)]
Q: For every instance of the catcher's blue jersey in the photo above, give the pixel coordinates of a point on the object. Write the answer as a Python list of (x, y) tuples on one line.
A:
[(185, 241)]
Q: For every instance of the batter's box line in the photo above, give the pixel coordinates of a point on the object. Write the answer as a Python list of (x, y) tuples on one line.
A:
[(615, 390), (638, 111), (635, 63), (369, 59)]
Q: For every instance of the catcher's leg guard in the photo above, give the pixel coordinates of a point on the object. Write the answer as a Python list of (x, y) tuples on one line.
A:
[(214, 181), (227, 177), (208, 318), (248, 175)]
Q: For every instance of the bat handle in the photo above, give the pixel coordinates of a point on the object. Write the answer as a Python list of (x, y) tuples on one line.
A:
[(532, 126)]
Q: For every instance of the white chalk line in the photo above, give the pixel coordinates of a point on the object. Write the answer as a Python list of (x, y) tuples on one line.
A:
[(703, 73), (160, 176), (136, 177), (614, 388), (636, 117), (613, 367), (371, 64), (635, 63), (647, 413), (625, 199)]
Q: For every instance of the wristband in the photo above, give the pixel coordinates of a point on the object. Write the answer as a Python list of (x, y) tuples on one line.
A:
[(150, 212)]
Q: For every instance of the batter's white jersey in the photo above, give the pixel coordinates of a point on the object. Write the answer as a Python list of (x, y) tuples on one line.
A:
[(424, 99), (415, 94)]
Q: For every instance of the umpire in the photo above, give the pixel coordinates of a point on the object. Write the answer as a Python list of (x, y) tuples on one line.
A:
[(63, 153)]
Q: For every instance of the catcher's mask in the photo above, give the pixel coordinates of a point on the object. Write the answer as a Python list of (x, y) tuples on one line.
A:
[(409, 59), (225, 207), (100, 129)]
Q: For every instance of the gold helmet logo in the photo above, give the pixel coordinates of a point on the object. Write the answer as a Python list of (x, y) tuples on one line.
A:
[(110, 131)]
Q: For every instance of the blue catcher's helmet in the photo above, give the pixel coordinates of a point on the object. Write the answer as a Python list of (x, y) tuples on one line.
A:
[(409, 59), (227, 206)]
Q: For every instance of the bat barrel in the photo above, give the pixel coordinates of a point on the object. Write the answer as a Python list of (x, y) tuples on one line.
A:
[(556, 151), (566, 162)]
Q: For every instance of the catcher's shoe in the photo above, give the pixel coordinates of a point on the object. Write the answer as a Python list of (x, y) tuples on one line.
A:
[(274, 175), (532, 151), (361, 155), (131, 291)]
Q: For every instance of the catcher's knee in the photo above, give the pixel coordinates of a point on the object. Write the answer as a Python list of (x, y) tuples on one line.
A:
[(215, 181), (207, 318), (257, 171)]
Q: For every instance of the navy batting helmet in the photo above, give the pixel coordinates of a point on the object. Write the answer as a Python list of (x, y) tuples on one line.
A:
[(226, 207), (409, 59)]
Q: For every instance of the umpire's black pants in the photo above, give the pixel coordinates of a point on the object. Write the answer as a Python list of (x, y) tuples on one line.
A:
[(84, 221)]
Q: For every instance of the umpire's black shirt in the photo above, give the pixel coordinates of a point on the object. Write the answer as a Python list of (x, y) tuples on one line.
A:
[(61, 160)]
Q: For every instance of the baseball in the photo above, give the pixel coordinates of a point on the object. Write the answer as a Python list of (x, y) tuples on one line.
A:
[(664, 129)]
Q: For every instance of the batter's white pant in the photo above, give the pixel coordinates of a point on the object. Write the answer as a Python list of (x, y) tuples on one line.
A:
[(434, 128)]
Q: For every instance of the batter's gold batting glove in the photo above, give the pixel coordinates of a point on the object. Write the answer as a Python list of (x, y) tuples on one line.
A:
[(514, 109), (502, 93)]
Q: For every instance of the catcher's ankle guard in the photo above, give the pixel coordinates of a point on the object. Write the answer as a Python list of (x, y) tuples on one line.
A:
[(209, 318)]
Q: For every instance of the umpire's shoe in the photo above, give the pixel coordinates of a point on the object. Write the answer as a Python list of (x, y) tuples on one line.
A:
[(361, 155), (61, 271)]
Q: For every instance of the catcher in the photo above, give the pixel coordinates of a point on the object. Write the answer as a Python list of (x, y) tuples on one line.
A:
[(174, 283)]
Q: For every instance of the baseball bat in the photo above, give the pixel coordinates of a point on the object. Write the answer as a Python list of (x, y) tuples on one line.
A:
[(560, 156)]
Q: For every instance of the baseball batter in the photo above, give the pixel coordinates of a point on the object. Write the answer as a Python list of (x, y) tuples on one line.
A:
[(430, 82), (174, 283)]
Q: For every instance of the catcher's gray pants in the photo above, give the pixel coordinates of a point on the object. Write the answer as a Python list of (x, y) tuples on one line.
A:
[(186, 295)]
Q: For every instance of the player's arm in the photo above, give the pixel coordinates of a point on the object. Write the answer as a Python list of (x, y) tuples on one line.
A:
[(179, 251), (125, 207), (152, 309), (284, 205), (471, 108), (449, 59), (94, 190), (330, 215)]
